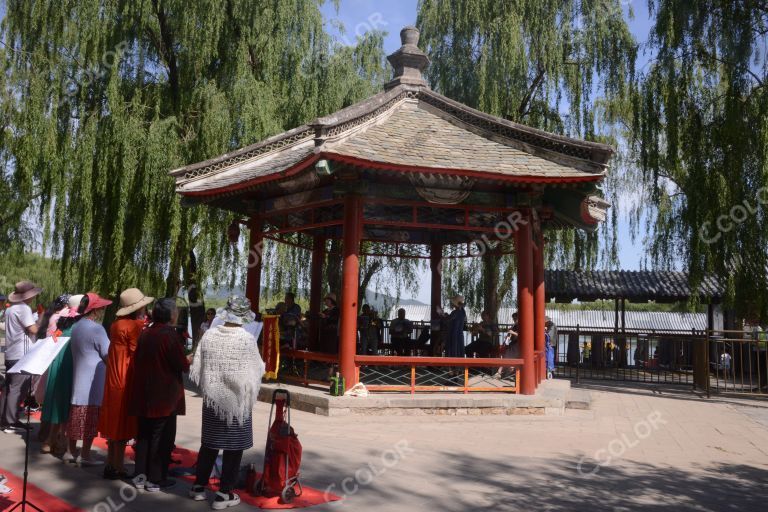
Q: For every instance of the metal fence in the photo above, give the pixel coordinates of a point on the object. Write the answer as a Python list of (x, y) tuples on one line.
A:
[(590, 353), (737, 362), (710, 361)]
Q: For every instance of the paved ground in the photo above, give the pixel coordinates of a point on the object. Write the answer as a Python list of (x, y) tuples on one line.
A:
[(637, 449)]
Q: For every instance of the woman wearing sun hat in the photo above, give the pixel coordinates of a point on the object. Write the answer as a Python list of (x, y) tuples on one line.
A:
[(114, 422), (90, 346), (228, 369), (58, 387), (20, 333)]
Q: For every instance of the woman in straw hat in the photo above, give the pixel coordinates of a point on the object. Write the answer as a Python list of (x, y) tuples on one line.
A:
[(454, 346), (114, 422), (20, 333), (90, 346), (58, 387), (228, 369)]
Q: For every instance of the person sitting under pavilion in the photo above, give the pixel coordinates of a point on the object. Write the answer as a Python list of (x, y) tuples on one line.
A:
[(487, 337), (400, 331)]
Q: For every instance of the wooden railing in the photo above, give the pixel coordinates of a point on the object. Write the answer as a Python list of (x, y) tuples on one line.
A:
[(414, 363)]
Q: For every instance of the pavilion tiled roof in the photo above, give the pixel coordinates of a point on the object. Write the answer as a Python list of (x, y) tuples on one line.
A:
[(407, 128), (642, 285), (420, 136)]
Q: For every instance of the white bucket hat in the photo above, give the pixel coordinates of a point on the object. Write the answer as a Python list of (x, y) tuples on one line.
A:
[(237, 311)]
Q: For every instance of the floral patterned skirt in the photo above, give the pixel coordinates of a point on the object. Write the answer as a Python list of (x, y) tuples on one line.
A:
[(83, 422)]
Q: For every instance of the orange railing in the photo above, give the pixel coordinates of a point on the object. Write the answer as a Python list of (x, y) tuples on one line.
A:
[(459, 362), (302, 375), (307, 357)]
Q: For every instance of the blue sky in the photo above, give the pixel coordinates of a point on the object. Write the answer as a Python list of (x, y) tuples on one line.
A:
[(358, 16)]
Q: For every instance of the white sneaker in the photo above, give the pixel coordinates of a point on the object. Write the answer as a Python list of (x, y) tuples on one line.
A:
[(197, 493), (223, 501), (139, 482)]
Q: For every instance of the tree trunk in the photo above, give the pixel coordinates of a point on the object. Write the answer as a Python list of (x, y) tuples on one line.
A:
[(368, 274), (333, 271), (195, 297), (491, 261)]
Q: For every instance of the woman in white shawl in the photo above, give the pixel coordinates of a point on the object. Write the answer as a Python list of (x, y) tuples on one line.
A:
[(228, 368)]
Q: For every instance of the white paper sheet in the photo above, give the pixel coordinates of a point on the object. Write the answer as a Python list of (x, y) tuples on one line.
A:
[(40, 356)]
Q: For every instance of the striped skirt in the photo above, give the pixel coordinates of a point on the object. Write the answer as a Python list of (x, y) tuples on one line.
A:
[(218, 435)]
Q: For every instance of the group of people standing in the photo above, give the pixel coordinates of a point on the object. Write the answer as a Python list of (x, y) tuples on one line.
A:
[(128, 384)]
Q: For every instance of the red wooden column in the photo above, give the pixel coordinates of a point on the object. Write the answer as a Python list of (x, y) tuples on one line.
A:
[(316, 290), (436, 266), (349, 288), (539, 304), (524, 252), (255, 254)]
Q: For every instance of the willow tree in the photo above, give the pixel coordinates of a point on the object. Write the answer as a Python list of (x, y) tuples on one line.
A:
[(103, 97), (543, 63), (701, 140)]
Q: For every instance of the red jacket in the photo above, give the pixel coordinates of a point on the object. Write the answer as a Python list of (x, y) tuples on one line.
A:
[(157, 387)]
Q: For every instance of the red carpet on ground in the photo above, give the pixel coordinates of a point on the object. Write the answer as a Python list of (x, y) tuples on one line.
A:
[(35, 495), (188, 459)]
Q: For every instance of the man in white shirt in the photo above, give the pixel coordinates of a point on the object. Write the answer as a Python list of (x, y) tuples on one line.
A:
[(20, 333)]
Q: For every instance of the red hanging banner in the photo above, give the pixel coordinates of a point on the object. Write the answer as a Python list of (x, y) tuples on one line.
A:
[(270, 345)]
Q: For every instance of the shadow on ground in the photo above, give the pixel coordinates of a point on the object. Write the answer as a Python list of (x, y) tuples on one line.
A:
[(467, 483)]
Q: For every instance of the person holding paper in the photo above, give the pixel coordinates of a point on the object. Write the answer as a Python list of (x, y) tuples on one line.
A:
[(20, 333), (90, 346)]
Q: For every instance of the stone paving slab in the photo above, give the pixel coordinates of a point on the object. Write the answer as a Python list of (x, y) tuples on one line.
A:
[(698, 455)]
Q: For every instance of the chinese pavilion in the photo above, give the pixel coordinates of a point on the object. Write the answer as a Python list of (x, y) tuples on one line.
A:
[(425, 175)]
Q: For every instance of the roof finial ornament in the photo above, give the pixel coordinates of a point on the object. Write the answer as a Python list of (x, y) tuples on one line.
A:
[(409, 62)]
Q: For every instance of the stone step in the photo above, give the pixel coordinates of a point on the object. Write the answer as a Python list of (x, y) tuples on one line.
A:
[(549, 400)]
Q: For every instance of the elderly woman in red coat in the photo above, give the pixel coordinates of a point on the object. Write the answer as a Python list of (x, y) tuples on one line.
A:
[(157, 395)]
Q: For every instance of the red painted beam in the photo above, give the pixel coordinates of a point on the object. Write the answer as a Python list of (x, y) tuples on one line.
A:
[(539, 303), (373, 164), (349, 289), (524, 250), (471, 362)]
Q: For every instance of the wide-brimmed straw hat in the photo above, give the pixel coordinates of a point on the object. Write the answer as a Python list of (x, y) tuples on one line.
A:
[(132, 300), (237, 311), (24, 290), (331, 296), (457, 299), (95, 302)]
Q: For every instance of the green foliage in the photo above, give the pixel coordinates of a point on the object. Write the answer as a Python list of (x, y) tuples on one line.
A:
[(102, 98), (700, 139), (15, 267), (550, 64)]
